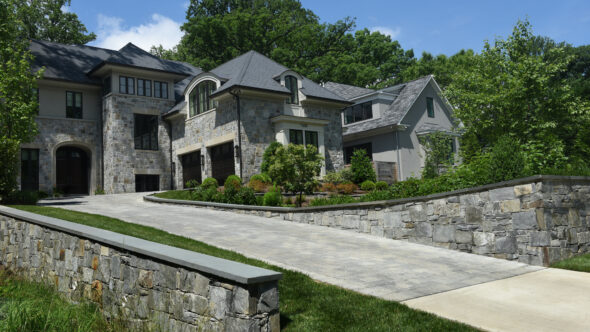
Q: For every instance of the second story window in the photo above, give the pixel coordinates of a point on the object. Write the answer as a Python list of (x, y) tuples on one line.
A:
[(430, 107), (200, 100), (144, 87), (74, 105), (127, 85), (161, 90), (297, 136), (358, 112), (145, 132), (291, 84)]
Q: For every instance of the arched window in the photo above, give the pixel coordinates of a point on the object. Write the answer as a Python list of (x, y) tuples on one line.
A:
[(291, 84), (199, 98)]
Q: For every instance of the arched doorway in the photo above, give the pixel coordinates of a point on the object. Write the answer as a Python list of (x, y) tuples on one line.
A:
[(72, 170)]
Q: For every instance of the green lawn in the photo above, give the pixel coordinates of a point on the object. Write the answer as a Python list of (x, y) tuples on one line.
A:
[(175, 194), (579, 263), (31, 306), (305, 304)]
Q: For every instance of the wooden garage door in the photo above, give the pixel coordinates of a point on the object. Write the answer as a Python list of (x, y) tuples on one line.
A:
[(191, 167), (222, 161)]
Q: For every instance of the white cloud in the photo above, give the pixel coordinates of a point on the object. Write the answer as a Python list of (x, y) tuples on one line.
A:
[(160, 29), (391, 32)]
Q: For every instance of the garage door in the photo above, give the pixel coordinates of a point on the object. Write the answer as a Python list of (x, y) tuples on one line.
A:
[(222, 161), (191, 167)]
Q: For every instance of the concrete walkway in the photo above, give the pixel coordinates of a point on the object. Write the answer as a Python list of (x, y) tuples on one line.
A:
[(393, 270)]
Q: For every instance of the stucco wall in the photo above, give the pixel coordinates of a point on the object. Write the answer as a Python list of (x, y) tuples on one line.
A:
[(52, 99), (140, 286)]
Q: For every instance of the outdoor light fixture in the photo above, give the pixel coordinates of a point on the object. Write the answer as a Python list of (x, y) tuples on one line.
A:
[(202, 160), (237, 151)]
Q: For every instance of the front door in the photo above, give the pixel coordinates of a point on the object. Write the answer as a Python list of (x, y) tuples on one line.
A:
[(72, 171), (222, 161), (191, 167)]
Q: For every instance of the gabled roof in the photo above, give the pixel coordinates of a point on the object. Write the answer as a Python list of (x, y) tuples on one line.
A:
[(253, 70), (74, 63), (407, 93), (346, 91)]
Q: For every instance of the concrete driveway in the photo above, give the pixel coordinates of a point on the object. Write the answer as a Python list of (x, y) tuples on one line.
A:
[(449, 283)]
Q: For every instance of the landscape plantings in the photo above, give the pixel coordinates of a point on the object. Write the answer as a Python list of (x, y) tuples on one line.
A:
[(305, 304), (578, 263), (32, 306), (361, 167)]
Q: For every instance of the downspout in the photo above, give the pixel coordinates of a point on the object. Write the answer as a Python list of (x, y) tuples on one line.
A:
[(239, 129)]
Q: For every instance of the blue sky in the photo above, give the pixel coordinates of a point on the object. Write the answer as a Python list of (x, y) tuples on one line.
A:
[(434, 26)]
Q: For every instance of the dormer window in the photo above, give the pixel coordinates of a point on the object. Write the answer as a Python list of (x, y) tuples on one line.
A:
[(200, 100), (291, 84)]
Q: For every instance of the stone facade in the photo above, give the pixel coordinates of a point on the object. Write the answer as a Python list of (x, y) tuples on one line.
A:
[(122, 161), (537, 220), (145, 291), (58, 132)]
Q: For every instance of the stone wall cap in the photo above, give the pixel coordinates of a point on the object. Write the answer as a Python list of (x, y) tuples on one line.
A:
[(372, 204), (223, 268)]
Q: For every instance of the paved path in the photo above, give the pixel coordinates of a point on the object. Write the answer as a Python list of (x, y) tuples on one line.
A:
[(445, 282)]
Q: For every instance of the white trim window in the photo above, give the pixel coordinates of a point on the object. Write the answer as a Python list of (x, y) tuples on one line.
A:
[(292, 85)]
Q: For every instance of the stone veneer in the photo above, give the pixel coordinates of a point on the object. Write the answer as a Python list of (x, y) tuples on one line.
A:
[(121, 160), (257, 132), (537, 220), (147, 284)]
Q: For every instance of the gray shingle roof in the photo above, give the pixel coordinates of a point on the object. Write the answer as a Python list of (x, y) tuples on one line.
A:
[(255, 71), (346, 91), (395, 113), (74, 62)]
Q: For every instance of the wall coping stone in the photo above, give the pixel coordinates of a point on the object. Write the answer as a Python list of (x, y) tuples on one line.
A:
[(226, 269), (386, 203)]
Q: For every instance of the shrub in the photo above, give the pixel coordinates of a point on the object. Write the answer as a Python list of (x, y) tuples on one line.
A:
[(210, 183), (507, 161), (262, 177), (232, 181), (205, 194), (99, 191), (361, 167), (343, 175), (42, 194), (381, 185), (259, 182), (21, 197), (272, 198), (340, 199), (269, 153), (368, 185), (9, 161), (244, 196), (347, 188), (376, 195), (191, 183), (329, 187)]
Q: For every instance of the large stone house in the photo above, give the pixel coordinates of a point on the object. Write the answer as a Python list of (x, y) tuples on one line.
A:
[(126, 121), (388, 123)]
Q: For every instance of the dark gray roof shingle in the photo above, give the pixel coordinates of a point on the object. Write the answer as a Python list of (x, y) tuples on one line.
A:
[(346, 91)]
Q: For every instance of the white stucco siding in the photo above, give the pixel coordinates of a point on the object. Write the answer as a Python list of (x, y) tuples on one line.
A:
[(52, 100), (383, 146), (411, 152)]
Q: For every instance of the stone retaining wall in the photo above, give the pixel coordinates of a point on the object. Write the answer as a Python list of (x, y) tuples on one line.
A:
[(148, 284), (537, 220)]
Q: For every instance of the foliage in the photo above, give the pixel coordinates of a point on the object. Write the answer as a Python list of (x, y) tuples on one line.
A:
[(273, 197), (332, 200), (368, 185), (21, 197), (192, 183), (361, 167), (243, 196), (9, 161), (376, 195), (346, 188), (210, 183), (46, 20), (439, 152), (519, 87), (99, 191), (381, 185), (33, 306), (329, 187), (232, 182), (262, 177), (296, 168), (343, 175), (259, 182), (269, 152), (42, 194), (305, 303), (441, 67), (507, 161)]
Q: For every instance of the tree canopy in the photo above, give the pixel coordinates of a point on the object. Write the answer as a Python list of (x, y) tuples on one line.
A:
[(46, 20)]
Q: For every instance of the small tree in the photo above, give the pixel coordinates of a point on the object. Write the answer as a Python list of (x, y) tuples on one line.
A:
[(439, 152), (361, 167), (296, 168), (268, 154)]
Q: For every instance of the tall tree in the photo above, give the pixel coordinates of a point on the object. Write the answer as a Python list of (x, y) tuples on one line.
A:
[(516, 88), (441, 66), (47, 20), (18, 104)]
